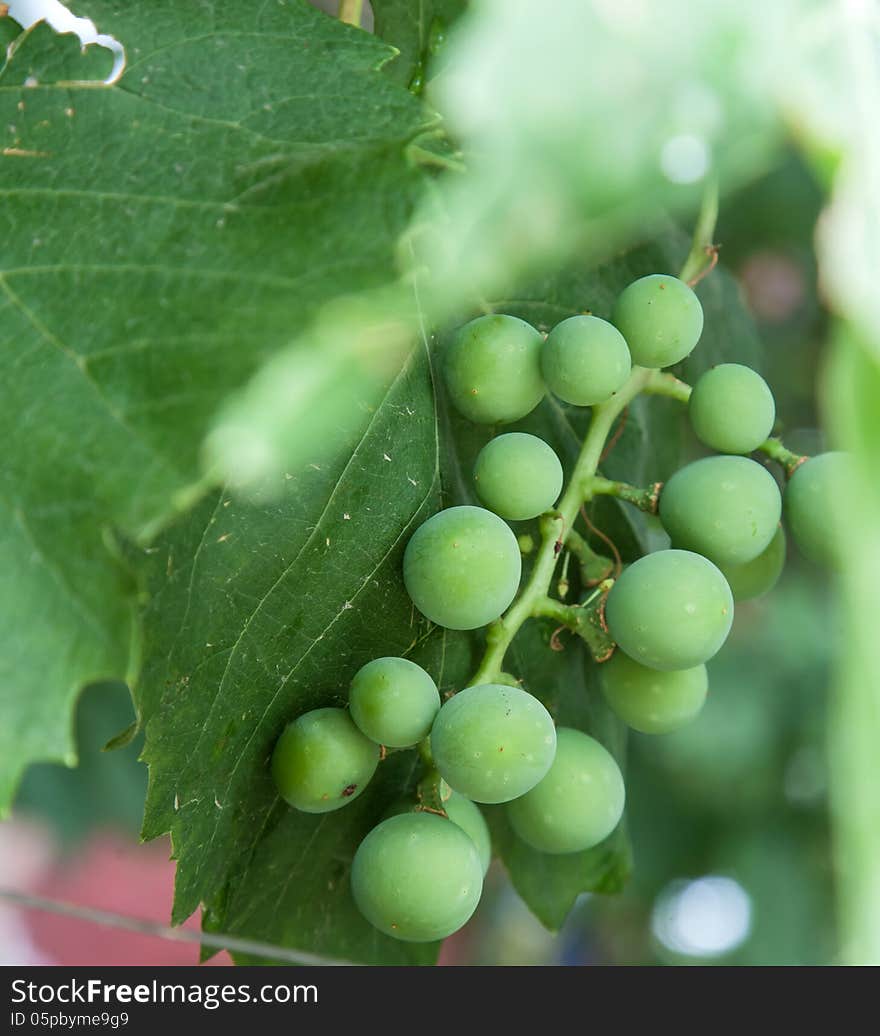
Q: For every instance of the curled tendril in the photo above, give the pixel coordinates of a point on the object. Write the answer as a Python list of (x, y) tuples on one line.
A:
[(618, 562)]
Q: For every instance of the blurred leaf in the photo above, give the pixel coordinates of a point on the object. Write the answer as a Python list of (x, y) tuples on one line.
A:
[(162, 238), (837, 107), (852, 403), (558, 164)]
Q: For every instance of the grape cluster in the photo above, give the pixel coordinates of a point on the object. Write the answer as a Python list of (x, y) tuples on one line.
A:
[(418, 874)]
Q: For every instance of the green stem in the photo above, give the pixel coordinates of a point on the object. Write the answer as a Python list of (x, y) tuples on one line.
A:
[(594, 567), (555, 527), (350, 11), (587, 620), (662, 384), (644, 498), (775, 450), (703, 254), (429, 790)]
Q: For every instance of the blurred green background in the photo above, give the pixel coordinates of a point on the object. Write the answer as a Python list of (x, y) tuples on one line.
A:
[(729, 817)]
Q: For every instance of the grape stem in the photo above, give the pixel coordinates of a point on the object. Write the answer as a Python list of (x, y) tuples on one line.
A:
[(350, 11), (663, 384), (703, 255), (646, 499), (587, 620), (594, 567), (775, 450), (556, 528)]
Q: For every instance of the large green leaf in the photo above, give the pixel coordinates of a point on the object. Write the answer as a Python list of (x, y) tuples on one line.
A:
[(160, 239), (259, 613)]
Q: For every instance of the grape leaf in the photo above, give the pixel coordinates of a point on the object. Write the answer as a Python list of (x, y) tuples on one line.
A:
[(415, 29), (257, 614), (162, 237), (9, 31)]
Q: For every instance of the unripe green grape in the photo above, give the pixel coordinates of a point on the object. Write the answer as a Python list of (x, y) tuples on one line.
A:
[(461, 811), (661, 319), (322, 761), (462, 567), (585, 360), (813, 493), (670, 610), (417, 877), (758, 576), (650, 701), (577, 804), (394, 701), (727, 508), (493, 369), (492, 743), (518, 476), (732, 409)]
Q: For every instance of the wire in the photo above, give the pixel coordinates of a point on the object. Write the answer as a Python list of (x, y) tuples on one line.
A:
[(233, 943)]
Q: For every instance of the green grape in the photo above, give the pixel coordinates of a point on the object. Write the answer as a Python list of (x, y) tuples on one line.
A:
[(470, 819), (670, 610), (462, 567), (650, 701), (813, 493), (322, 761), (577, 804), (727, 508), (394, 701), (732, 409), (492, 743), (518, 476), (758, 576), (585, 360), (417, 877), (661, 319), (493, 369), (460, 811)]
